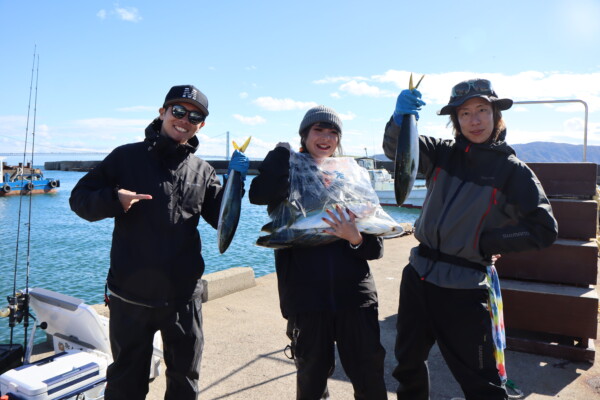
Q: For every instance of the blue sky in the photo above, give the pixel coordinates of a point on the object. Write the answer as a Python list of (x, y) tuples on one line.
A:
[(105, 67)]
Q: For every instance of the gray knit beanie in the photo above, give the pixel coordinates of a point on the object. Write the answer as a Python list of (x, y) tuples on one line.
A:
[(321, 114)]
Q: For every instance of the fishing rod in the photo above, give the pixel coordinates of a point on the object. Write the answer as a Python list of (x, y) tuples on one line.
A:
[(27, 345), (18, 301)]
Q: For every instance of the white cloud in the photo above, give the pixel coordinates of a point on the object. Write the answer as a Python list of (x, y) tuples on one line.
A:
[(523, 86), (335, 95), (336, 79), (42, 131), (243, 95), (257, 120), (273, 104), (130, 14), (574, 124), (349, 116), (400, 78), (364, 89)]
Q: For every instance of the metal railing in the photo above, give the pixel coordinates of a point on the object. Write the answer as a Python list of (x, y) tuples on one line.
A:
[(566, 101)]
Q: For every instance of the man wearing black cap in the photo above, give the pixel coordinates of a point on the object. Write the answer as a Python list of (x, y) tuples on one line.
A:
[(156, 191)]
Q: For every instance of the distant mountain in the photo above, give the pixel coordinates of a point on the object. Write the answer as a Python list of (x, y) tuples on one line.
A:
[(546, 152), (556, 152)]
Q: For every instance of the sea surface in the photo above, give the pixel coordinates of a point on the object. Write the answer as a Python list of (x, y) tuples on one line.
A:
[(59, 251)]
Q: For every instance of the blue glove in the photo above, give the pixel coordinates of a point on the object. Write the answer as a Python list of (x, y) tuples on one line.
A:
[(409, 102), (240, 163)]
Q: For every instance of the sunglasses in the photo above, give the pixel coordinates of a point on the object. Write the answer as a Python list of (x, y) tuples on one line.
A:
[(478, 85), (195, 117)]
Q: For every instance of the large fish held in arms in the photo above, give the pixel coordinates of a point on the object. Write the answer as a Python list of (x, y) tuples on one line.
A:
[(307, 230), (407, 154), (231, 205), (316, 188)]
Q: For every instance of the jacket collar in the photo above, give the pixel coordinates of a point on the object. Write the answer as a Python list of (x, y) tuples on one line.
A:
[(499, 145), (164, 145)]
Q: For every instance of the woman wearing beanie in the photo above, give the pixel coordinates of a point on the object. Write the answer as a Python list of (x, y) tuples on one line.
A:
[(326, 292), (481, 202)]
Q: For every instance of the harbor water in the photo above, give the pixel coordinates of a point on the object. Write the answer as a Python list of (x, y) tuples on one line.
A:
[(70, 255)]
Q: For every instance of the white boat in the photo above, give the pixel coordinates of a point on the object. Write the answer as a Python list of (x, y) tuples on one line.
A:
[(82, 352), (383, 183)]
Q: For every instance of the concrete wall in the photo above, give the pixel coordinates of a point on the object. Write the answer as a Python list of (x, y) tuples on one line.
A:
[(220, 166)]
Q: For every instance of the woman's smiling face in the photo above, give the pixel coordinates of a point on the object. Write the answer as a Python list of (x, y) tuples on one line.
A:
[(322, 142)]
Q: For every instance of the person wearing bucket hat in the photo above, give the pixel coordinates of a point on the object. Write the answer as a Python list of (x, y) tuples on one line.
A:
[(481, 202), (474, 88), (156, 191), (326, 292)]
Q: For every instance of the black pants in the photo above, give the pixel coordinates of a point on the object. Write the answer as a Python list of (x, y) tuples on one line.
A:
[(132, 330), (356, 333), (460, 323)]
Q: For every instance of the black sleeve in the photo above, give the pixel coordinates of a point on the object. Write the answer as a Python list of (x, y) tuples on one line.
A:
[(212, 199), (534, 225), (370, 249), (271, 186), (94, 197), (390, 138)]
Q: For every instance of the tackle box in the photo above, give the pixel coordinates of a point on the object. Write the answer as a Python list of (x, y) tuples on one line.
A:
[(61, 376)]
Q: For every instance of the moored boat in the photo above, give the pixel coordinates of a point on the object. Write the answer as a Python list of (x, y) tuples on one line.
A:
[(383, 183), (23, 180)]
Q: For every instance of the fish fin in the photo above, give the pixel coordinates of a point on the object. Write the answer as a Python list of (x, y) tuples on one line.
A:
[(241, 148), (245, 145), (412, 86), (268, 227), (418, 83)]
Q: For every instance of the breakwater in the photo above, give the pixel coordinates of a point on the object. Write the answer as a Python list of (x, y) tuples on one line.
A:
[(220, 166)]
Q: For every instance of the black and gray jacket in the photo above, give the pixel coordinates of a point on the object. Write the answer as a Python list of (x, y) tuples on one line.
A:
[(326, 278), (156, 256), (481, 200)]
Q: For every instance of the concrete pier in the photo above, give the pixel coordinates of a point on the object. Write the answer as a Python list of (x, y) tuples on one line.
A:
[(245, 340)]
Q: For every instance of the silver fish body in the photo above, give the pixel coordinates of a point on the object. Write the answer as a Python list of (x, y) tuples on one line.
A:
[(229, 214), (307, 230), (407, 158)]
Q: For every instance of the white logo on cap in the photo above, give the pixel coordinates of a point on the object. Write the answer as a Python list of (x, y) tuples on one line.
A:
[(189, 94)]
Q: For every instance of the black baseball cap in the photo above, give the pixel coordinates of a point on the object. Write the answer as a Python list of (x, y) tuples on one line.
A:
[(187, 94)]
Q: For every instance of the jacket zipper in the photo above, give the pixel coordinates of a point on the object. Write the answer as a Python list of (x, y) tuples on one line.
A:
[(493, 201), (441, 221)]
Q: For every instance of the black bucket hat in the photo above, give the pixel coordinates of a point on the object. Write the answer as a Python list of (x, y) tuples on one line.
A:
[(466, 90)]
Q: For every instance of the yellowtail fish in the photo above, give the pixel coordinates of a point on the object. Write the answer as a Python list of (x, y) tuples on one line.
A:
[(304, 231), (231, 205), (407, 154)]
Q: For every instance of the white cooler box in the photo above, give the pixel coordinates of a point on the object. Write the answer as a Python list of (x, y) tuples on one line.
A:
[(61, 376)]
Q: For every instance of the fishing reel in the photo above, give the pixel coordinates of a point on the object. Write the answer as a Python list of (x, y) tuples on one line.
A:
[(18, 308)]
